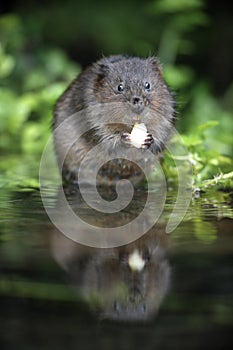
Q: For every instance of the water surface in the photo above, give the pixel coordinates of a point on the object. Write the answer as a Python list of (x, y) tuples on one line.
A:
[(56, 293)]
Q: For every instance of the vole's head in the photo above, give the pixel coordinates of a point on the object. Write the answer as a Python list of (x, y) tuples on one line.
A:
[(135, 84)]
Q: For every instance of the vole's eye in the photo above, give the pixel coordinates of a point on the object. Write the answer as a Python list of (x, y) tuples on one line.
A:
[(147, 85), (120, 87)]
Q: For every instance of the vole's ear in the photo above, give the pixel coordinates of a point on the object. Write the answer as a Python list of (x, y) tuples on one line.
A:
[(101, 70), (105, 63), (154, 61), (103, 67)]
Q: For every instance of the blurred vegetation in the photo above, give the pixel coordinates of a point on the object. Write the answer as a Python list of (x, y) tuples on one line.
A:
[(42, 48)]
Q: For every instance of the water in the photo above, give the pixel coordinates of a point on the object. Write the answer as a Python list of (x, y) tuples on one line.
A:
[(162, 291)]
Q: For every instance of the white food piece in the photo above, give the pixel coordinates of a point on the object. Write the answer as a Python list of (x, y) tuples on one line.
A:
[(138, 135), (136, 262)]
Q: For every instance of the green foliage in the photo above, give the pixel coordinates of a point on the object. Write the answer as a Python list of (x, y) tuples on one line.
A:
[(30, 83), (33, 75), (206, 128), (207, 160), (178, 18), (210, 167)]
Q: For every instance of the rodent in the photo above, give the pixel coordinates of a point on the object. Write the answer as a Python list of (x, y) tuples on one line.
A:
[(107, 99)]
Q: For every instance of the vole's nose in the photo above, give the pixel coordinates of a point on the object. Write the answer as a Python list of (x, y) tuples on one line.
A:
[(137, 104), (136, 100)]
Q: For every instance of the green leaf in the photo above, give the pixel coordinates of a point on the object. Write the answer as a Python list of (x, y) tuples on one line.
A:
[(207, 125)]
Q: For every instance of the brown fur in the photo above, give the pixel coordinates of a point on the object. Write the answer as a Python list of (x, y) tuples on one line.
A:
[(104, 114)]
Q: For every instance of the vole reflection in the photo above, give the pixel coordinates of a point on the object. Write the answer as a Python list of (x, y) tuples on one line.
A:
[(123, 283)]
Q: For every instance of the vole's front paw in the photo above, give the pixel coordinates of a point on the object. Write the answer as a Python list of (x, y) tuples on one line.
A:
[(148, 141), (126, 138)]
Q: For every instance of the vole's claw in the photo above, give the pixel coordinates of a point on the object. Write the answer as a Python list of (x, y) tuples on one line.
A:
[(148, 141)]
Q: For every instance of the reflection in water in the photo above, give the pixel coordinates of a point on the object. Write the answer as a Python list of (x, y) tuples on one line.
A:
[(37, 311), (123, 283)]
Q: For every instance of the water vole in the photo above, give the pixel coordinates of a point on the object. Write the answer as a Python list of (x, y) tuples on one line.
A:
[(106, 100)]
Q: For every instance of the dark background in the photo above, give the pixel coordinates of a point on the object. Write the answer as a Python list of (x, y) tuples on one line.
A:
[(88, 29)]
